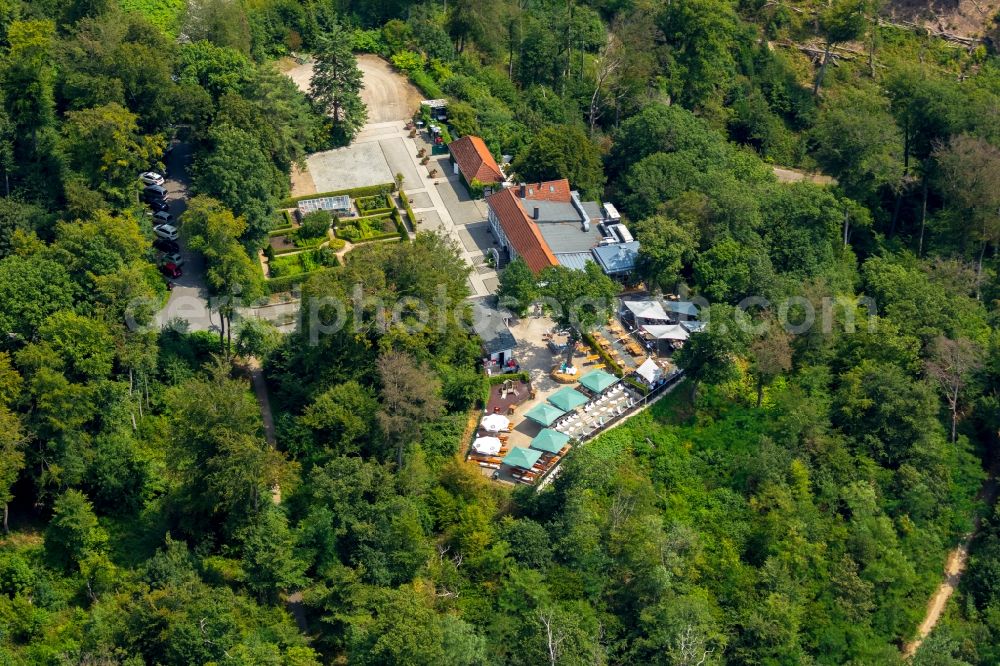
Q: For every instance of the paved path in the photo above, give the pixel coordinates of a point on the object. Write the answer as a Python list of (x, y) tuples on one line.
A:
[(189, 299)]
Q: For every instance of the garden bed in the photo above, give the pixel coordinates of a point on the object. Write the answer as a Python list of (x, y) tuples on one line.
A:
[(362, 229), (303, 262)]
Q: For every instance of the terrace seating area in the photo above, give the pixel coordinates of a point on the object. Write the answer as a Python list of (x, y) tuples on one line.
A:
[(599, 412)]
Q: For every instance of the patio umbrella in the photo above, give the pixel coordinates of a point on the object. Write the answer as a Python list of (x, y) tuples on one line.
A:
[(489, 446), (567, 399), (495, 422), (598, 381), (549, 440), (523, 458), (544, 414)]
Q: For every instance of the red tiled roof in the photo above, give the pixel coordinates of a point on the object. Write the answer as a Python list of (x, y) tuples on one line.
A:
[(521, 231), (552, 190), (475, 161)]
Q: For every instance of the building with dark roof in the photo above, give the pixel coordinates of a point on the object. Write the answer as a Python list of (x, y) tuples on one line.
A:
[(546, 224), (498, 343), (473, 161)]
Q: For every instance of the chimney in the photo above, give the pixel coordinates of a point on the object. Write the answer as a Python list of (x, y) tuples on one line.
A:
[(535, 216), (523, 188)]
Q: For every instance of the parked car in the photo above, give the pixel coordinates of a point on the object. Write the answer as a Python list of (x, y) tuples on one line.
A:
[(172, 258), (167, 231), (171, 270), (164, 245), (151, 178), (162, 217), (154, 192), (158, 205)]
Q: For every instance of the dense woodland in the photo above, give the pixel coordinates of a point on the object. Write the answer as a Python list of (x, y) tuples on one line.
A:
[(791, 503)]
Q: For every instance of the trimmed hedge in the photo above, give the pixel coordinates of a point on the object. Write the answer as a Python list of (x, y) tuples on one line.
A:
[(404, 235), (281, 231), (354, 193), (613, 367), (410, 215), (283, 284)]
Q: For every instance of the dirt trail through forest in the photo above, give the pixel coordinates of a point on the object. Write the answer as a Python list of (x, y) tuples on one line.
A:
[(953, 569)]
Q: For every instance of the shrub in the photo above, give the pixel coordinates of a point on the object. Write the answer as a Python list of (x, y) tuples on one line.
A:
[(427, 85), (408, 61), (476, 188), (369, 41), (609, 362)]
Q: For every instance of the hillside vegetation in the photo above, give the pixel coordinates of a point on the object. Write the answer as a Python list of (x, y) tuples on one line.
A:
[(792, 502)]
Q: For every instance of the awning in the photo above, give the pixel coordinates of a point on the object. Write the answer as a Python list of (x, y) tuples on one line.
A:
[(495, 422), (544, 413), (487, 445), (521, 457), (568, 399), (646, 309), (597, 381), (667, 331), (686, 308), (550, 440), (649, 371)]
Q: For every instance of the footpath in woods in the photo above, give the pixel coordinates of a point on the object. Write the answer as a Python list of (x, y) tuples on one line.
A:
[(953, 570)]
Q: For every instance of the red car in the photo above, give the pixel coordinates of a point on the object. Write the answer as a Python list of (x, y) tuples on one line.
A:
[(171, 270)]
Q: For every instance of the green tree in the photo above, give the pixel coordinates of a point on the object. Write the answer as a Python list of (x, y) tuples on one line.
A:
[(665, 248), (562, 151), (73, 533), (518, 287), (711, 355), (269, 555), (343, 417), (840, 22), (31, 288), (237, 172), (858, 141), (336, 84), (730, 271), (104, 145), (578, 300), (11, 457)]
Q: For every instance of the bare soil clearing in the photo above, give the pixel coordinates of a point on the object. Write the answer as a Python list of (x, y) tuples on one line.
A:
[(387, 94)]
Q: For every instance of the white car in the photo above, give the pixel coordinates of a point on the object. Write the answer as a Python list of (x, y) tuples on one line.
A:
[(167, 231), (151, 178), (162, 217)]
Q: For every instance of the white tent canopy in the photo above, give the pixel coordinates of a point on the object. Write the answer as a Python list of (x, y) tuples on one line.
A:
[(667, 331), (646, 309), (650, 371), (495, 422), (489, 446)]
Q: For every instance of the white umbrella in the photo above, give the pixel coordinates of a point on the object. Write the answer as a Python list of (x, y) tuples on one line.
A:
[(495, 422), (486, 445)]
